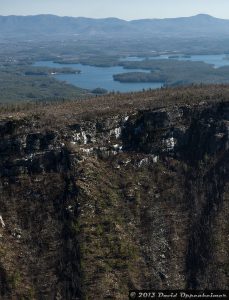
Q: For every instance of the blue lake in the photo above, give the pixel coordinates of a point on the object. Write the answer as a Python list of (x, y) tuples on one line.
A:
[(94, 77), (102, 77)]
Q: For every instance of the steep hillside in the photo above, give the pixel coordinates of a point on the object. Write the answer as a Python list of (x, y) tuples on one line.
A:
[(105, 195)]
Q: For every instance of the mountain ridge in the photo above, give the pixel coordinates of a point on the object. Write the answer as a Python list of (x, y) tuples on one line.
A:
[(116, 18), (41, 25)]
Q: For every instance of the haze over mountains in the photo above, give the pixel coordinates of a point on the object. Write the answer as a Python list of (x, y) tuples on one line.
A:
[(51, 25)]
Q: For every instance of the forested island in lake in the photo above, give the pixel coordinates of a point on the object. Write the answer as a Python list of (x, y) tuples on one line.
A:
[(173, 72)]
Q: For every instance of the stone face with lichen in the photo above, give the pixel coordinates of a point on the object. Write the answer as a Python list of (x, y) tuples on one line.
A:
[(131, 201)]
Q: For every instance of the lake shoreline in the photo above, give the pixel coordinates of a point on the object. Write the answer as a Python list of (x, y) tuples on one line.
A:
[(130, 74)]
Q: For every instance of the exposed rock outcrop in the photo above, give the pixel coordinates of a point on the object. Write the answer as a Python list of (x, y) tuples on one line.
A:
[(101, 206)]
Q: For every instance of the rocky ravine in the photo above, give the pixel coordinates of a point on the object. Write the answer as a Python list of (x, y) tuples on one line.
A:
[(102, 206)]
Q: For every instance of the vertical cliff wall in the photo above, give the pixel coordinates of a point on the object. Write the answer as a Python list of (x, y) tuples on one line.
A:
[(97, 207)]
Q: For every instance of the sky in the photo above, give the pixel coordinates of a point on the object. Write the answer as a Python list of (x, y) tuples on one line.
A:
[(123, 9)]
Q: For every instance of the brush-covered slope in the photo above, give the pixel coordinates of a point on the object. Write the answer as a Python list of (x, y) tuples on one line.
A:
[(125, 191)]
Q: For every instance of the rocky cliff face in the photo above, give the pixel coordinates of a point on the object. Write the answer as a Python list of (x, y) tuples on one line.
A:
[(104, 205)]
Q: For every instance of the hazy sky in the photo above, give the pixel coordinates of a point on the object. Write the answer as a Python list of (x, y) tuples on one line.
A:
[(124, 9)]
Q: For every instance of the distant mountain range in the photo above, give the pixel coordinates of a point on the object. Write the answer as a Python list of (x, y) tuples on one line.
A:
[(50, 26)]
